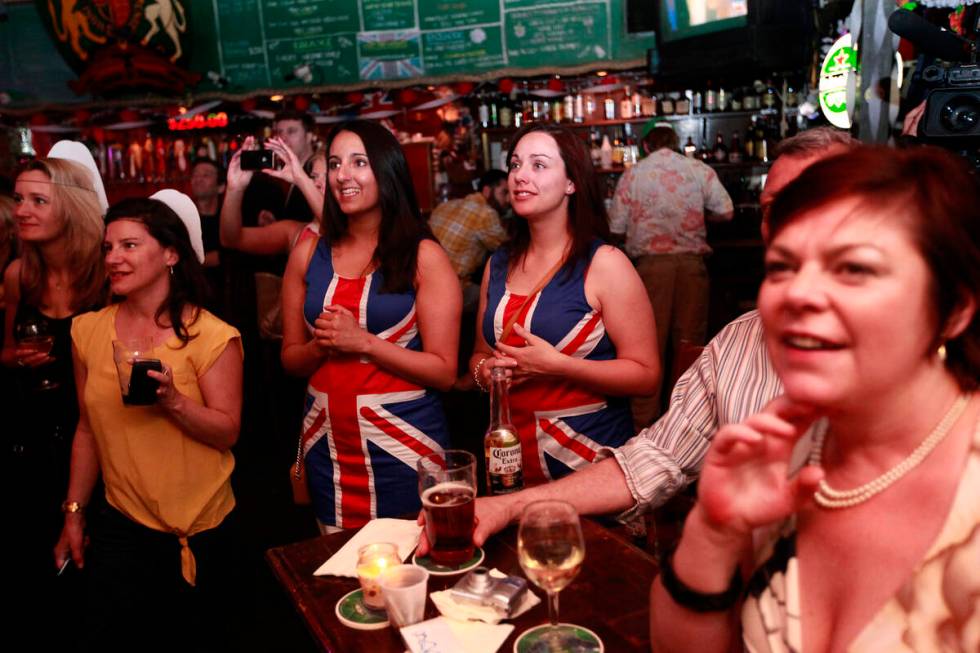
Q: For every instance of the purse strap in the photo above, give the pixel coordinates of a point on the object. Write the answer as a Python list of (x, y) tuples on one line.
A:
[(542, 282), (299, 444)]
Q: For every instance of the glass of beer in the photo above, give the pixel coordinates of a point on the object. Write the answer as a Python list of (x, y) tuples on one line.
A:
[(447, 486)]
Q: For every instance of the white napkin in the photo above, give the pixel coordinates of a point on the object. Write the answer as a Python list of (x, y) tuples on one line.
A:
[(467, 612), (442, 635), (401, 532)]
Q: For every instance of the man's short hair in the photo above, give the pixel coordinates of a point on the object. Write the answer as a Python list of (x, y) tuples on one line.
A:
[(491, 178), (814, 141), (288, 114), (660, 137), (222, 174)]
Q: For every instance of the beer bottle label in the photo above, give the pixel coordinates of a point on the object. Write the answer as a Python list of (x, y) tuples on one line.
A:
[(504, 469)]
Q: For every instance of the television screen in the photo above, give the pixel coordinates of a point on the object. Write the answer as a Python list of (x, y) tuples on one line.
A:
[(683, 18)]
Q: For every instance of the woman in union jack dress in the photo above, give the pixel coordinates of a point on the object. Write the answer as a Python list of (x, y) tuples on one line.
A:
[(583, 337), (371, 315)]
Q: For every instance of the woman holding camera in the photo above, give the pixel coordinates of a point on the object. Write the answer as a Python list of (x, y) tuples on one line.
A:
[(159, 563), (371, 315)]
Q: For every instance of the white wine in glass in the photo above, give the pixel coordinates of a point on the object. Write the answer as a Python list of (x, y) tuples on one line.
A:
[(551, 549)]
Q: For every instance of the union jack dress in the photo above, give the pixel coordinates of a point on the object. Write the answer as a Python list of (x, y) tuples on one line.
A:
[(561, 425), (364, 427)]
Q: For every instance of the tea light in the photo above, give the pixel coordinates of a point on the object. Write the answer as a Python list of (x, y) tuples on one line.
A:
[(372, 560)]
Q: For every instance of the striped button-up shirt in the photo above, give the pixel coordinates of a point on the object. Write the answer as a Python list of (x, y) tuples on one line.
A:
[(733, 379)]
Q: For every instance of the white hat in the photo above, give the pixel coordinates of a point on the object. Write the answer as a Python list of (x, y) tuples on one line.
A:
[(78, 153), (186, 210)]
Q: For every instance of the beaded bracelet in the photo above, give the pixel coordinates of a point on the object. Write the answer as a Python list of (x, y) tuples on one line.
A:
[(477, 370)]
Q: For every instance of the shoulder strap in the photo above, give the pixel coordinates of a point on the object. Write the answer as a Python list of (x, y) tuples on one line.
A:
[(542, 282)]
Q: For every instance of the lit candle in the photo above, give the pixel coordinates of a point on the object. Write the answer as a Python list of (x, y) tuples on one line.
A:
[(372, 560)]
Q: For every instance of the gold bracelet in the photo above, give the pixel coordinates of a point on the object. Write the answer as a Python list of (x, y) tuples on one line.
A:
[(477, 369)]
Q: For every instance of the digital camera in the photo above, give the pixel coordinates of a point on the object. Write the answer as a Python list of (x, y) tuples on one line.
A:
[(480, 588)]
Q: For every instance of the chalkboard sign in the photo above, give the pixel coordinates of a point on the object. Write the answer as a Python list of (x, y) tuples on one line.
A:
[(346, 42)]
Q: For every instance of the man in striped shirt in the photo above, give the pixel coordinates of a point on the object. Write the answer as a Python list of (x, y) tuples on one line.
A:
[(731, 380)]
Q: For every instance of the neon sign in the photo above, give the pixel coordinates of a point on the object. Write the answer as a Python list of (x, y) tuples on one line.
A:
[(211, 121)]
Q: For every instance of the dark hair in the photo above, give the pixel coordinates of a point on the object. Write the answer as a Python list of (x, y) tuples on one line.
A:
[(587, 218), (492, 178), (933, 192), (188, 285), (402, 227), (222, 174), (660, 137), (288, 114)]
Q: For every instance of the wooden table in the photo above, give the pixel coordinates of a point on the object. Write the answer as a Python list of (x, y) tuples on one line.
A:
[(610, 595)]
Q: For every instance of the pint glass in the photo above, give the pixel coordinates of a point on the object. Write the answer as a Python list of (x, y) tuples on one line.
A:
[(447, 486)]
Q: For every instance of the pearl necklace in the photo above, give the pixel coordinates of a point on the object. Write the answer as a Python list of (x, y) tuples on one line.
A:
[(828, 497)]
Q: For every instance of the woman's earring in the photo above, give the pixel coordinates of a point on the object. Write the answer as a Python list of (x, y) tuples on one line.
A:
[(171, 270), (941, 352)]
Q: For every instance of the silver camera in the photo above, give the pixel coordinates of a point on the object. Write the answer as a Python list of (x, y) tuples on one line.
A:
[(480, 588)]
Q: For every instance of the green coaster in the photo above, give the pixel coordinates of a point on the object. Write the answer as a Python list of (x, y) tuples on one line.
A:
[(353, 613), (574, 639), (443, 570)]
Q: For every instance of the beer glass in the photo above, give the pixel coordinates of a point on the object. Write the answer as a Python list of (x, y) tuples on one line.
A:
[(551, 549), (447, 487), (124, 353)]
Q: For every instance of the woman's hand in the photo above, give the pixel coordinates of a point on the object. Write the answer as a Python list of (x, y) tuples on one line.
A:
[(167, 393), (744, 482), (537, 358), (237, 179), (293, 168), (71, 544), (337, 330), (30, 357)]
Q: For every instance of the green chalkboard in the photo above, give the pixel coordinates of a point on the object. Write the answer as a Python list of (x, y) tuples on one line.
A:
[(350, 41)]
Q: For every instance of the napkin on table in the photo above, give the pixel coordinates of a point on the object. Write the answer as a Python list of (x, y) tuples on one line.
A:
[(442, 635), (467, 612), (401, 532)]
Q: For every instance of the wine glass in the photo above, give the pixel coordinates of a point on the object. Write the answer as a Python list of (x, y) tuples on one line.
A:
[(33, 335), (550, 549)]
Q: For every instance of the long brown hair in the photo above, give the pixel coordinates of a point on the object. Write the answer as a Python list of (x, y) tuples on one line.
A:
[(73, 197), (587, 218)]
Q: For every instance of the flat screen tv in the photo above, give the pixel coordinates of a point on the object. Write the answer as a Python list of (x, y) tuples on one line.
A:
[(723, 37), (680, 19)]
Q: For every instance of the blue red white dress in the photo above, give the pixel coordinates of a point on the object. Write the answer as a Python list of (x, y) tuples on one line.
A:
[(365, 428), (561, 425)]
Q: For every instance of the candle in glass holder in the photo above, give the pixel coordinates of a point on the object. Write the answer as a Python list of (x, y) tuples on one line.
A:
[(372, 560)]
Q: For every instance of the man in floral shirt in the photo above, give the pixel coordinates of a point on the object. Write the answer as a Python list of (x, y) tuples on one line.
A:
[(661, 204)]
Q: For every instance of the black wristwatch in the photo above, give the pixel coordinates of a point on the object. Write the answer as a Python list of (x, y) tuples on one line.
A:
[(694, 600)]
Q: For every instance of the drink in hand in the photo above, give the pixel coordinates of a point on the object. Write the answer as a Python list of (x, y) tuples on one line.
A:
[(449, 522)]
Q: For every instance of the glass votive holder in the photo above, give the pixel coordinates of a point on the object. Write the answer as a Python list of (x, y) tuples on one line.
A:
[(372, 561)]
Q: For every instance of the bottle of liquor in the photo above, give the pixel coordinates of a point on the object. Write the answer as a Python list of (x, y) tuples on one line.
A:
[(710, 99), (501, 445), (494, 111), (637, 100), (507, 110), (606, 153), (579, 105), (626, 105), (609, 107), (735, 150), (632, 155), (720, 151), (483, 111), (596, 144), (569, 108), (690, 149)]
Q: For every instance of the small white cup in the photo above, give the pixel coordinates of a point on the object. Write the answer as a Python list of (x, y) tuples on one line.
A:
[(404, 590)]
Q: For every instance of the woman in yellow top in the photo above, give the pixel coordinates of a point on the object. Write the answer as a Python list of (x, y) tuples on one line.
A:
[(159, 559)]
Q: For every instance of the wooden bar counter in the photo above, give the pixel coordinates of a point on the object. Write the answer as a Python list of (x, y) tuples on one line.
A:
[(610, 595)]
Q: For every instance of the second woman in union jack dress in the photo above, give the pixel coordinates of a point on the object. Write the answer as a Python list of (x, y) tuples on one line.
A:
[(371, 314), (584, 337)]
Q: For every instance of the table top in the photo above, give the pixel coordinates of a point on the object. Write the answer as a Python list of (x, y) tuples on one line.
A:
[(609, 596)]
